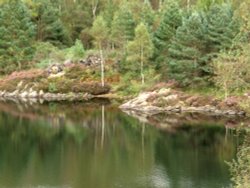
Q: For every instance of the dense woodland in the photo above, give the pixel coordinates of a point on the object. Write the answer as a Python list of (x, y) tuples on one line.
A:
[(196, 43)]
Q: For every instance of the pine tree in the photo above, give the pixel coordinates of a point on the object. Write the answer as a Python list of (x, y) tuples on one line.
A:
[(123, 27), (187, 52), (76, 16), (222, 27), (140, 49), (171, 20), (49, 25), (147, 15), (16, 36), (207, 4)]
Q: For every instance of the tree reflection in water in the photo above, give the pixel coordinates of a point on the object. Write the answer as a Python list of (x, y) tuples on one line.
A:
[(96, 145), (240, 168)]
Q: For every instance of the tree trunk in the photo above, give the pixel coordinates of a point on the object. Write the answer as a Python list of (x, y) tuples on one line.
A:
[(142, 64), (102, 64), (188, 4), (94, 7)]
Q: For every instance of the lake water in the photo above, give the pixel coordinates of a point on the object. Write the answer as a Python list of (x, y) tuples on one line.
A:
[(95, 145)]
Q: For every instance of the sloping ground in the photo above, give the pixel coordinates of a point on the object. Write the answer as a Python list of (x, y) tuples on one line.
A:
[(74, 79)]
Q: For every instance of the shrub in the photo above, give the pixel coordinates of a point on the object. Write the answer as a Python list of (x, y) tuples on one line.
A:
[(75, 52), (45, 54)]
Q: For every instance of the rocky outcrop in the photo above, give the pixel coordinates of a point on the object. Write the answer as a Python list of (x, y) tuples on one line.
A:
[(172, 101), (91, 60), (30, 95)]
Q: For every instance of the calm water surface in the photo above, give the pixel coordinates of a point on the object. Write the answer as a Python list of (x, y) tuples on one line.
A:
[(97, 146)]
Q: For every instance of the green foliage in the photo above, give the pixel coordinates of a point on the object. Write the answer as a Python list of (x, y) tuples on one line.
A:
[(240, 168), (43, 54), (52, 87), (187, 35), (123, 27), (222, 27), (140, 49), (171, 20), (50, 28), (207, 4), (46, 54), (243, 15), (231, 71), (130, 85), (147, 15), (75, 52), (99, 31), (201, 37), (76, 16), (16, 36), (187, 52)]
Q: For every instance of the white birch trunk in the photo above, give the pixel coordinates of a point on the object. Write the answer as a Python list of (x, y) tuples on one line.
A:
[(94, 7), (102, 65), (188, 4), (142, 64)]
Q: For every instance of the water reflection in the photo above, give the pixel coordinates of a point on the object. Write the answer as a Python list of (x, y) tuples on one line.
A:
[(96, 145), (240, 168)]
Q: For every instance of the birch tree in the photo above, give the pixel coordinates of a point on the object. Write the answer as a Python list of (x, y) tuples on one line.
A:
[(100, 33), (140, 49)]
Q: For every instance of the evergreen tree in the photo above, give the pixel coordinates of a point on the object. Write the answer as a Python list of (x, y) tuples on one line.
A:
[(147, 15), (222, 27), (207, 4), (187, 52), (123, 27), (171, 20), (76, 16), (49, 25), (16, 36), (140, 49)]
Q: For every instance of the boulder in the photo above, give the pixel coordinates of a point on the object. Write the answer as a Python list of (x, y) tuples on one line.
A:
[(41, 93), (164, 91), (55, 69), (60, 74), (33, 94), (91, 60), (24, 94)]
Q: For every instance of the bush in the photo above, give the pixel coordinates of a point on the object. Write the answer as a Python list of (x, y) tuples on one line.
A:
[(75, 52), (46, 54)]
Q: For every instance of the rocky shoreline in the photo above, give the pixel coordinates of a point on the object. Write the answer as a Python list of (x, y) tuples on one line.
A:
[(35, 95), (166, 100)]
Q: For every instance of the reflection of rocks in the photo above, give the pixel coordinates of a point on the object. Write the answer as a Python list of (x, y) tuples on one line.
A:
[(168, 100), (80, 113), (171, 121)]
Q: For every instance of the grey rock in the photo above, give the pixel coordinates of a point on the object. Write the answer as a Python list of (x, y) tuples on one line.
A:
[(41, 93), (33, 94), (24, 94)]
